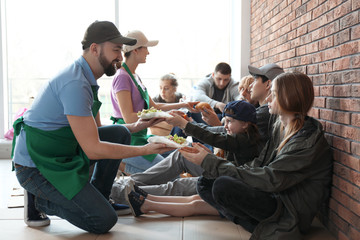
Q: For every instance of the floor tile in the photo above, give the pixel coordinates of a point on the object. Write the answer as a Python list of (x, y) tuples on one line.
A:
[(212, 228)]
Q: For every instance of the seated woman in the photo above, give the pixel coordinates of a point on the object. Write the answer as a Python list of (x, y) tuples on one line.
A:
[(129, 95), (168, 94), (277, 195)]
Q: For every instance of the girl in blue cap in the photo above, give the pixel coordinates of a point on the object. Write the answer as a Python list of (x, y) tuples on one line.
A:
[(240, 142)]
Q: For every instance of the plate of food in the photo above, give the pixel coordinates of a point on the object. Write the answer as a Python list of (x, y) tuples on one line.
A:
[(153, 113), (170, 141)]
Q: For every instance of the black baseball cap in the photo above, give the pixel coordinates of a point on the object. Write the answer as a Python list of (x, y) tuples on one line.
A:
[(271, 70), (240, 110), (104, 31)]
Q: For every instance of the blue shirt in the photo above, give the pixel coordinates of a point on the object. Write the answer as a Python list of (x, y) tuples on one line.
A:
[(69, 93)]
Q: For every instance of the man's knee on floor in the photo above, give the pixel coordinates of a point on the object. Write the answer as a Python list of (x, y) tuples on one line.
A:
[(103, 224)]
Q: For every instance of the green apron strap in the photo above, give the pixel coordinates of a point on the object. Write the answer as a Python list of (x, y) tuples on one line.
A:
[(144, 94), (96, 103)]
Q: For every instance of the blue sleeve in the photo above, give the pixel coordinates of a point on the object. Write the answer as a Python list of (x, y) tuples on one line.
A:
[(76, 98)]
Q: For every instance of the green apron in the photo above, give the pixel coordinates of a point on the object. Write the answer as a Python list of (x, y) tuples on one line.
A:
[(138, 138), (58, 155)]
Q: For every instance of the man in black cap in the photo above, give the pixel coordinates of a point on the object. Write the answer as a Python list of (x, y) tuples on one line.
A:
[(260, 89), (61, 136)]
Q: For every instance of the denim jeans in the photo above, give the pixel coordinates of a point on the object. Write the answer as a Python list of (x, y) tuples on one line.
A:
[(90, 209), (140, 164), (237, 201)]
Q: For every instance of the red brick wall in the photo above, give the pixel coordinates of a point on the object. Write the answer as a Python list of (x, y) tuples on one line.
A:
[(322, 39)]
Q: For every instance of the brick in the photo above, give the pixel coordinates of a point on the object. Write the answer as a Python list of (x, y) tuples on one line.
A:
[(341, 117), (318, 79), (355, 148), (346, 187), (300, 11), (300, 31), (355, 120), (305, 39), (319, 102), (331, 53), (345, 213), (300, 51), (343, 131), (349, 20), (342, 37), (316, 90), (341, 64), (312, 69), (342, 91), (305, 60), (355, 61), (318, 11), (351, 76), (339, 224), (326, 43), (317, 57), (347, 173), (325, 67), (341, 144), (317, 34), (354, 233), (312, 4), (355, 5), (355, 32), (331, 28), (346, 201), (347, 159), (334, 78), (352, 105), (295, 61), (327, 91), (355, 90), (326, 114), (342, 10), (312, 47), (314, 112), (349, 48)]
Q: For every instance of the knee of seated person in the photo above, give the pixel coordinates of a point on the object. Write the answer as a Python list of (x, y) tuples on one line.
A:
[(103, 224), (222, 187), (124, 135)]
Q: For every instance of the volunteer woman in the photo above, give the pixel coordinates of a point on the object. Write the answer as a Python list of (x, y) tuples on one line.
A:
[(129, 95)]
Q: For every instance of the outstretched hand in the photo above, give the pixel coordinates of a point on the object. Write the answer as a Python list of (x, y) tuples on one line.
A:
[(191, 106), (152, 148), (141, 124), (195, 154), (210, 117), (178, 119)]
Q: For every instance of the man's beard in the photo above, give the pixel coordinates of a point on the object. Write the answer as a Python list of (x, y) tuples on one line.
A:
[(109, 68)]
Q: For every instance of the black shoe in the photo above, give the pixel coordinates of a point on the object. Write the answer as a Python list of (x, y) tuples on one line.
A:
[(32, 217), (135, 202), (132, 187), (120, 209)]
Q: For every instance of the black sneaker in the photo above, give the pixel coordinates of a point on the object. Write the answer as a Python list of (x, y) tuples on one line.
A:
[(32, 217), (135, 202), (120, 209), (131, 186)]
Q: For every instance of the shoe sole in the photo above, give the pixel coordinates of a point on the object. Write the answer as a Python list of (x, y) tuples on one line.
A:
[(124, 212), (33, 223), (130, 206)]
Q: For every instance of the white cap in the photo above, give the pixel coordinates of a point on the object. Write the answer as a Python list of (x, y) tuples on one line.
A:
[(142, 41)]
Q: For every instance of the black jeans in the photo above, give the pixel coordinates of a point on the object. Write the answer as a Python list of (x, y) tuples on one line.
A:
[(237, 201)]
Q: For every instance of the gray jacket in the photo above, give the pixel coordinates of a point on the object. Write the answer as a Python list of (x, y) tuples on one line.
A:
[(299, 176), (204, 90)]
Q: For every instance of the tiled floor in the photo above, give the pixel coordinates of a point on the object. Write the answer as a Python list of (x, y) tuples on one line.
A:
[(151, 226)]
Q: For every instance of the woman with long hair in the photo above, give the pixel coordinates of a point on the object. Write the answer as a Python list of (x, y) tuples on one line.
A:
[(129, 96), (277, 195)]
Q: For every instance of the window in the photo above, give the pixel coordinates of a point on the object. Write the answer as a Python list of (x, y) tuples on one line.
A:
[(44, 36)]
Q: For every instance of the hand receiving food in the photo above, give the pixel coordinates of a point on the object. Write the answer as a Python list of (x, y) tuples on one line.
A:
[(195, 154)]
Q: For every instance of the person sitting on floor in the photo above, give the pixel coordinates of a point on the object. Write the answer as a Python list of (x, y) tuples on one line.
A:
[(278, 194)]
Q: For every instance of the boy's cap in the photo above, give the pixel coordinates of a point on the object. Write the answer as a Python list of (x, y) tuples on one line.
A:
[(104, 31), (142, 41), (271, 70), (242, 110)]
